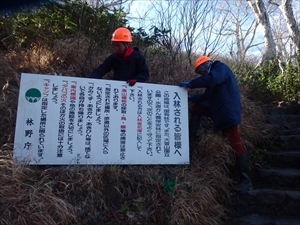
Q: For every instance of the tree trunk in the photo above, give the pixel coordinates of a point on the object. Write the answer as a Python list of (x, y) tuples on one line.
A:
[(262, 17), (287, 10)]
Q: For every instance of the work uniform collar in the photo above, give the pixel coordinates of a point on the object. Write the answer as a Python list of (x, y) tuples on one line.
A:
[(127, 53)]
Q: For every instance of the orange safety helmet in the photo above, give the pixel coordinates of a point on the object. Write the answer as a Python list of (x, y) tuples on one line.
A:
[(201, 60), (121, 34)]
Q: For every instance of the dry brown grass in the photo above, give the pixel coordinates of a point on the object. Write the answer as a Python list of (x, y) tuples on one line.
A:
[(164, 70), (28, 198), (9, 82), (113, 194), (198, 200), (256, 134), (158, 194)]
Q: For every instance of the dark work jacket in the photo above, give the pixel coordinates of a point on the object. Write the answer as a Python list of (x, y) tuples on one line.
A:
[(221, 96), (134, 67)]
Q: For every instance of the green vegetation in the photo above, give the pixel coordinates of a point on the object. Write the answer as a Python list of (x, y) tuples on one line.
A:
[(272, 81), (50, 21)]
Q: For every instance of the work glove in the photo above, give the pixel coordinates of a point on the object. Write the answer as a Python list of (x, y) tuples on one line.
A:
[(131, 82), (185, 84)]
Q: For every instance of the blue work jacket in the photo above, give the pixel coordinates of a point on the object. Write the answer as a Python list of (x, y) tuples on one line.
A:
[(221, 96)]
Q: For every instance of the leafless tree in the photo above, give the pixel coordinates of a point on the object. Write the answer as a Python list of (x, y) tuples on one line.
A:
[(293, 27), (194, 26), (262, 17), (107, 3), (285, 28), (205, 27), (282, 38), (279, 30), (243, 30)]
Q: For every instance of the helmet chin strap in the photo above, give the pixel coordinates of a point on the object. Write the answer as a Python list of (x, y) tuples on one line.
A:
[(208, 70), (126, 46)]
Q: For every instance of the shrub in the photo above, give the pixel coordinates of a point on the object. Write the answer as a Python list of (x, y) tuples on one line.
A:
[(272, 81)]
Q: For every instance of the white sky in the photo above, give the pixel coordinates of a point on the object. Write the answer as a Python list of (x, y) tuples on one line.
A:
[(140, 9)]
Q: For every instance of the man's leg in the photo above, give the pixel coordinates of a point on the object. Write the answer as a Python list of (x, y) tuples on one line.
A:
[(196, 112), (193, 126), (232, 135)]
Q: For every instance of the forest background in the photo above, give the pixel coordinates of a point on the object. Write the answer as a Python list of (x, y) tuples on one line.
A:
[(259, 40)]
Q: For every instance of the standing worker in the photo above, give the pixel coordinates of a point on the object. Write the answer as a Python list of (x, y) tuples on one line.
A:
[(128, 64), (220, 101)]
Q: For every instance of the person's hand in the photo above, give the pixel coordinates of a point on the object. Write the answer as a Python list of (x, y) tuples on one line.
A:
[(185, 84), (131, 82)]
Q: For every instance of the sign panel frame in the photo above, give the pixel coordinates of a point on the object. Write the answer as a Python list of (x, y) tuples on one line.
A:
[(70, 120)]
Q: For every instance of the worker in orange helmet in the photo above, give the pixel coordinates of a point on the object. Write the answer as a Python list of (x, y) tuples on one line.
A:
[(221, 102), (127, 63)]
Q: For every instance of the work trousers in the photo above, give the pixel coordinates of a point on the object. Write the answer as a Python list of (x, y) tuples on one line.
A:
[(230, 133)]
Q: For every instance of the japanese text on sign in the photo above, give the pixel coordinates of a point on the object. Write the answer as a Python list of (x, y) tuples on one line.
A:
[(68, 120)]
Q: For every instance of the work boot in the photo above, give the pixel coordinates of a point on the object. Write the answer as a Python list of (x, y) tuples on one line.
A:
[(193, 126), (245, 183)]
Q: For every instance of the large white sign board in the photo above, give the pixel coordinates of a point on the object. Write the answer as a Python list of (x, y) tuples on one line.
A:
[(68, 120)]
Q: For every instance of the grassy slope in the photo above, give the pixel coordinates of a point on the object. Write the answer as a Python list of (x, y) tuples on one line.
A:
[(190, 194)]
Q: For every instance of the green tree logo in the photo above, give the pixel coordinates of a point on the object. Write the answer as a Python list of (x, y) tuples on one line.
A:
[(33, 95)]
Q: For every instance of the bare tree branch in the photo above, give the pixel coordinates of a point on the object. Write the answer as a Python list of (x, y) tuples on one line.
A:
[(262, 17), (195, 26), (243, 30), (293, 27)]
